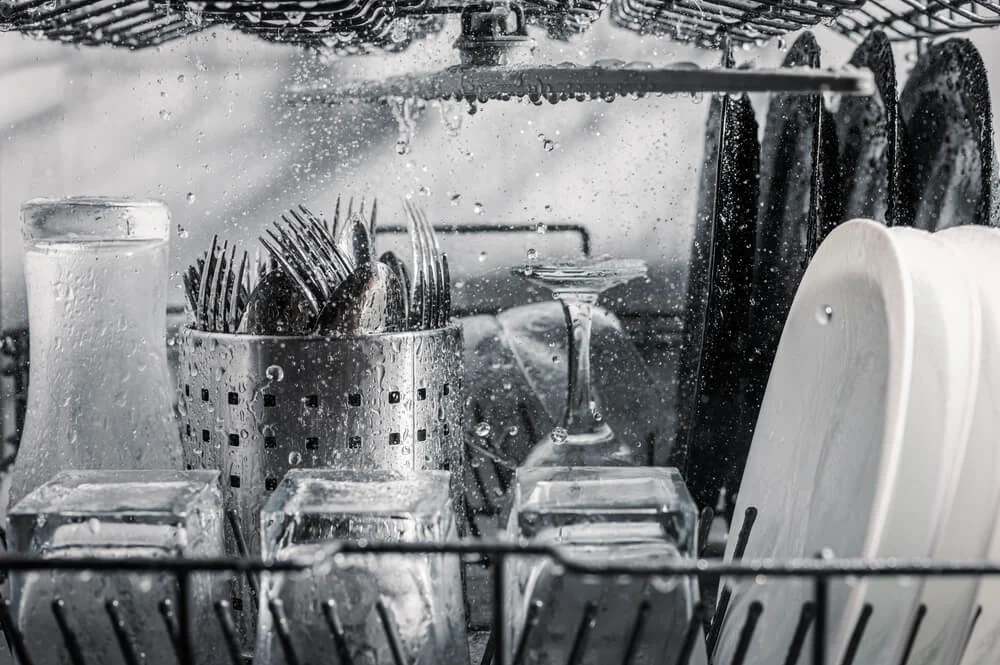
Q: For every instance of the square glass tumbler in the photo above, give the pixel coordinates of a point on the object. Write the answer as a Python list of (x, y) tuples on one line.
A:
[(631, 517), (365, 609), (116, 515)]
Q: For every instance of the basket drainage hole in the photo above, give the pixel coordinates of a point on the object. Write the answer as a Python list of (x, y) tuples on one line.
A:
[(204, 394), (394, 397), (312, 401), (187, 429), (234, 440), (394, 439), (271, 484), (206, 436), (270, 442), (446, 389), (421, 393), (270, 400), (354, 399), (421, 435), (187, 389), (354, 442), (312, 442), (234, 481), (234, 398)]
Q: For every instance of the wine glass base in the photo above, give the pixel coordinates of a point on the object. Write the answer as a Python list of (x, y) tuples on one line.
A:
[(597, 448)]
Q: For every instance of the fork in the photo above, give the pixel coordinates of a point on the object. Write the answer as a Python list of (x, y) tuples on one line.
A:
[(216, 294), (430, 300)]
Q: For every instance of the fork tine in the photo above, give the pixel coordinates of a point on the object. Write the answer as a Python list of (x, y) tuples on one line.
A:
[(417, 298), (430, 263), (311, 258), (201, 314), (307, 271), (293, 272), (332, 230), (227, 290), (343, 265), (214, 304), (240, 295), (373, 223), (445, 293), (316, 244), (434, 258)]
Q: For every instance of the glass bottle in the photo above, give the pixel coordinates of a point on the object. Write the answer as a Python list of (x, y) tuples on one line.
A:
[(99, 395)]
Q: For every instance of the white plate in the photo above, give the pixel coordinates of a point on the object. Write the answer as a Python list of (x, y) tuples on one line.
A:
[(853, 446), (979, 248)]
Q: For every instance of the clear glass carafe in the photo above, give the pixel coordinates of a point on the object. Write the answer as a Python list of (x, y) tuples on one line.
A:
[(99, 396)]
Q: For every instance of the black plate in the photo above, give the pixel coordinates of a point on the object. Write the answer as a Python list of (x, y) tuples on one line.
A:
[(718, 301), (868, 136), (948, 167), (800, 204)]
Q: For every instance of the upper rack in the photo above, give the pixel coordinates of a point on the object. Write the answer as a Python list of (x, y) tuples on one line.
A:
[(359, 26)]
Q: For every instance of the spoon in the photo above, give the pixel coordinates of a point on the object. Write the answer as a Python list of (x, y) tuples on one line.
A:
[(392, 261), (355, 241), (369, 301), (277, 306)]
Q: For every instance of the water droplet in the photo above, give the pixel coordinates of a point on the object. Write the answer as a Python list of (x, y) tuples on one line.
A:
[(94, 525), (540, 227), (455, 199), (482, 257), (824, 314), (532, 254), (477, 208), (548, 145), (559, 435), (275, 373), (294, 458), (182, 232), (483, 430), (165, 114), (180, 78), (190, 197), (512, 430)]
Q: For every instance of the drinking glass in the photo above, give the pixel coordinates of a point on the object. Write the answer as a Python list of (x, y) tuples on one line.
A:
[(380, 602), (585, 438), (113, 515)]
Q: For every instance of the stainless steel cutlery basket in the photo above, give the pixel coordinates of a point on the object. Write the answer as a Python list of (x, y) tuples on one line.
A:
[(255, 407)]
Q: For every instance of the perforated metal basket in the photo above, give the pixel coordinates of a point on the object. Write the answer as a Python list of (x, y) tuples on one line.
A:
[(256, 407)]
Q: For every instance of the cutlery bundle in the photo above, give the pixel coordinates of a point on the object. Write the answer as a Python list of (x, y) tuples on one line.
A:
[(322, 278)]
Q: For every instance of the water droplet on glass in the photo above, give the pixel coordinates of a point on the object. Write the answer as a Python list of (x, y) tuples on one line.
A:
[(548, 145), (274, 373), (482, 256), (190, 197), (532, 254), (824, 314), (165, 114), (182, 232), (294, 457), (483, 430), (540, 227), (455, 199), (477, 208)]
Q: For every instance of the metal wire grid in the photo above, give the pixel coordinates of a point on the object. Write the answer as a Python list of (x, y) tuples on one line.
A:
[(128, 23), (907, 20), (811, 632)]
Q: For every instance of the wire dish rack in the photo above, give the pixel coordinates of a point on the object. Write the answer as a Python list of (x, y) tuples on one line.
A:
[(807, 648), (347, 27)]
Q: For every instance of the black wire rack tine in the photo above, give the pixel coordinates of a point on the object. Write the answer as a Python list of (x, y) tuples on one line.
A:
[(14, 635), (746, 633), (69, 638), (183, 578), (749, 517), (859, 631), (968, 633), (914, 629), (692, 633), (586, 627), (715, 628), (488, 652), (224, 614), (125, 642), (632, 646), (530, 623), (822, 595), (391, 632), (277, 609), (241, 547), (336, 627), (705, 519), (166, 608), (499, 562), (806, 617)]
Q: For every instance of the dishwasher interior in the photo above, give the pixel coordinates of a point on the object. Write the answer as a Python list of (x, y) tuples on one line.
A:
[(682, 133)]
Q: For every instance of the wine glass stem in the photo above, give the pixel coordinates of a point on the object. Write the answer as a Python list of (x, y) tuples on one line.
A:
[(581, 408)]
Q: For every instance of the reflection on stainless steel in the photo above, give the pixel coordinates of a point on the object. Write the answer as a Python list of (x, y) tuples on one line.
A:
[(431, 299)]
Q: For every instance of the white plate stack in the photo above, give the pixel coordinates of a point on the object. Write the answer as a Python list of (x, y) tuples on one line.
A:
[(876, 441)]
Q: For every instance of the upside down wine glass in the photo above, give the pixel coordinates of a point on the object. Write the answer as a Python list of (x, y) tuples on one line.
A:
[(584, 438)]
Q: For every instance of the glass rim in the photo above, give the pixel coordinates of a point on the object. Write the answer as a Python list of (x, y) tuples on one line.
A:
[(94, 201)]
